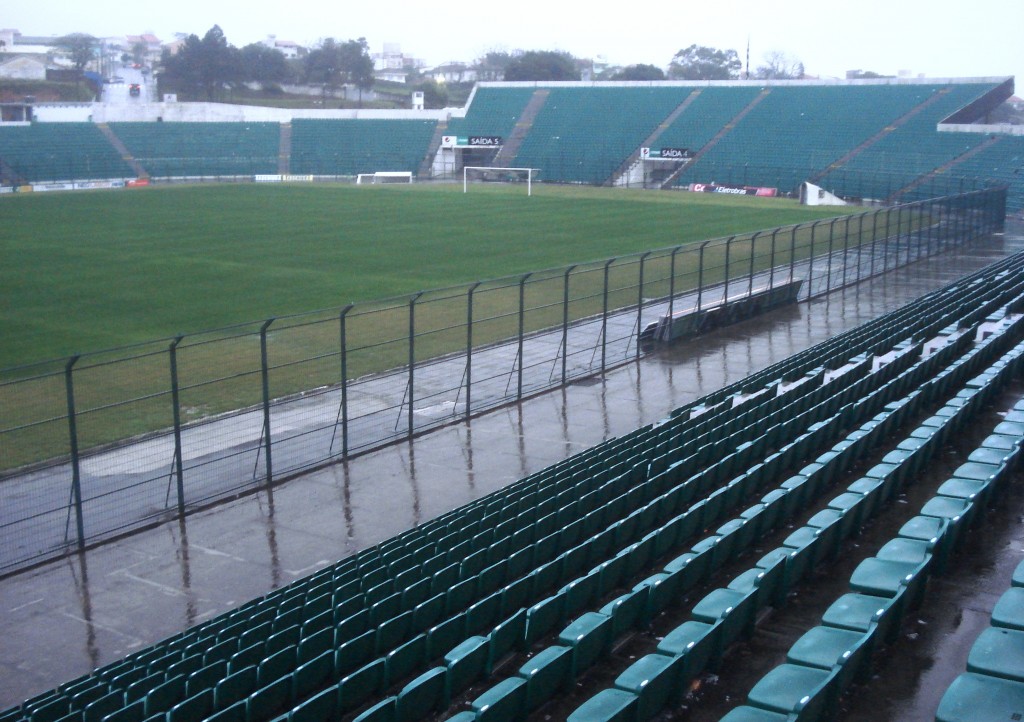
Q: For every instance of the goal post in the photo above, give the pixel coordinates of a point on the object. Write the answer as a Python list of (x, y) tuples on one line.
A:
[(384, 176), (498, 175)]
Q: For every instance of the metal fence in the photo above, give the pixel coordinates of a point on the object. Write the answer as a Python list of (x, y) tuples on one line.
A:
[(98, 445)]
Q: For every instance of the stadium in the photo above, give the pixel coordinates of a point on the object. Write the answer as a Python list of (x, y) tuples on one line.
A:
[(625, 433)]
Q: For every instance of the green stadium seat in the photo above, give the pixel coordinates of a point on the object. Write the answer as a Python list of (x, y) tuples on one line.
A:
[(793, 688), (465, 664), (1009, 609), (698, 643), (546, 674), (746, 713), (504, 702), (998, 652), (356, 688), (589, 636), (422, 696), (608, 705), (830, 648), (321, 706), (655, 680), (385, 710), (974, 697)]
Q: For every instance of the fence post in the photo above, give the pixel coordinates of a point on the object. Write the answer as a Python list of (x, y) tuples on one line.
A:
[(604, 316), (792, 252), (343, 342), (176, 412), (700, 274), (265, 374), (565, 321), (771, 264), (725, 288), (672, 281), (860, 244), (750, 275), (810, 261), (874, 244), (846, 248), (885, 255), (76, 471), (469, 347), (522, 324), (412, 358), (831, 241), (640, 302)]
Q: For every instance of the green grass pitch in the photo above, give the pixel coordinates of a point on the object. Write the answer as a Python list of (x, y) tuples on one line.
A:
[(90, 271)]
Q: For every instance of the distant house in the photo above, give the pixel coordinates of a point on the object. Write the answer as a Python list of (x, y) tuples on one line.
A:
[(453, 73), (23, 67), (289, 48), (151, 42)]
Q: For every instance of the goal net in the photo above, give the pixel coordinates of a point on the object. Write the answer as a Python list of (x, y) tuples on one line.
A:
[(384, 176), (488, 174)]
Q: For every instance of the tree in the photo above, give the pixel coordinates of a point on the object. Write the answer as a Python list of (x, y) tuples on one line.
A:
[(80, 48), (542, 65), (640, 72), (357, 65), (263, 65), (435, 95), (699, 62), (333, 64), (203, 67), (864, 75), (492, 65), (139, 52), (779, 66)]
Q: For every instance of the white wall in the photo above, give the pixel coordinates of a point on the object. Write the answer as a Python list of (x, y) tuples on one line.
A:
[(223, 112)]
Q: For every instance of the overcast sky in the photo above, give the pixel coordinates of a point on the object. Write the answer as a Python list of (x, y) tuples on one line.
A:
[(938, 38)]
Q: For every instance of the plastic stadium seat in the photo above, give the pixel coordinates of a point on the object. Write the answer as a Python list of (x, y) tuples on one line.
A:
[(699, 643), (608, 705), (383, 711), (546, 674), (422, 696), (406, 658), (790, 688), (746, 713), (357, 687), (972, 697), (1009, 610), (627, 610), (323, 705), (504, 702), (829, 648), (654, 679), (998, 652), (466, 663), (864, 612), (589, 636)]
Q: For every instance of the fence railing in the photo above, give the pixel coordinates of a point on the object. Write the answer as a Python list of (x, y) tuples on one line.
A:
[(101, 444)]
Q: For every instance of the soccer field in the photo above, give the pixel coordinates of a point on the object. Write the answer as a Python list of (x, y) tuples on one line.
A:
[(95, 270)]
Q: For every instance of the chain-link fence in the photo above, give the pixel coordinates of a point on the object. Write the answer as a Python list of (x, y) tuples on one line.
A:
[(101, 444)]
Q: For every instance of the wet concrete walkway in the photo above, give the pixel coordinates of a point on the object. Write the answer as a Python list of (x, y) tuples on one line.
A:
[(63, 619)]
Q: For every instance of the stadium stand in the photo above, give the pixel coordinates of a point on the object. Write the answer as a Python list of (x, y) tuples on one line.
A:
[(1001, 162), (875, 140), (582, 134), (189, 150), (350, 147), (46, 152), (491, 111), (797, 129), (493, 610), (916, 143)]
